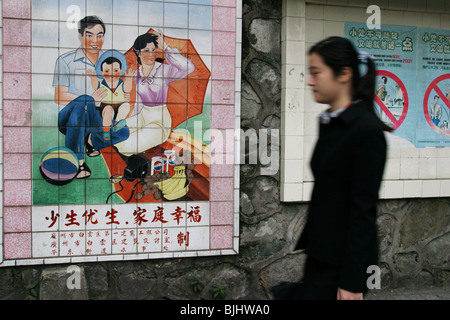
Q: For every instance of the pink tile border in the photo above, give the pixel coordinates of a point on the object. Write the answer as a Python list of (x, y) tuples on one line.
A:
[(224, 43), (221, 213), (221, 189), (17, 86), (16, 32), (222, 142), (17, 139), (17, 9), (223, 68), (222, 117), (221, 237), (17, 113), (17, 166), (224, 18), (222, 170), (17, 245), (17, 193), (16, 59), (222, 92), (17, 219), (225, 3)]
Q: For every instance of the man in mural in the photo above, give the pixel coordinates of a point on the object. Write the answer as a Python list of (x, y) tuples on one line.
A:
[(79, 120), (70, 70)]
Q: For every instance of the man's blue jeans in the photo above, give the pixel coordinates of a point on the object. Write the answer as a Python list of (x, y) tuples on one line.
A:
[(80, 118)]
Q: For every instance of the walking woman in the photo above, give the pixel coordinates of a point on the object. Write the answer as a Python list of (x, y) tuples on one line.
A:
[(340, 235)]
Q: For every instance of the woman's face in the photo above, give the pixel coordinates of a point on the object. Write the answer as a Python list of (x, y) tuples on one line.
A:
[(324, 84), (148, 54)]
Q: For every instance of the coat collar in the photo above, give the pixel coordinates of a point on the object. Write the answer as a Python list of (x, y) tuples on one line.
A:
[(353, 112)]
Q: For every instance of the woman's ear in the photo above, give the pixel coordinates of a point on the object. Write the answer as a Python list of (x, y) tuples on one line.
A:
[(346, 75)]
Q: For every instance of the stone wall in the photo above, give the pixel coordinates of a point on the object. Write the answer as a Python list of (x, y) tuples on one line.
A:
[(414, 234)]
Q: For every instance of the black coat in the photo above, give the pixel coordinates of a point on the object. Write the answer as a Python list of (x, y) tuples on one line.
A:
[(348, 164)]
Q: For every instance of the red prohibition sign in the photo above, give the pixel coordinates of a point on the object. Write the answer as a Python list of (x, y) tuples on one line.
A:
[(396, 122), (431, 87)]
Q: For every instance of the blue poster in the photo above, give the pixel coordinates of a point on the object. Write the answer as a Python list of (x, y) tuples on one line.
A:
[(413, 80), (433, 88)]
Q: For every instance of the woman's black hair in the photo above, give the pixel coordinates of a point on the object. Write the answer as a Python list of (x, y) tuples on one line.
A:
[(111, 60), (142, 41), (339, 53)]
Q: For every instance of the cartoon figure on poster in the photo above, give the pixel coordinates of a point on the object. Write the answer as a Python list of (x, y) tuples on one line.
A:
[(433, 88), (437, 105), (435, 111), (391, 96), (121, 106)]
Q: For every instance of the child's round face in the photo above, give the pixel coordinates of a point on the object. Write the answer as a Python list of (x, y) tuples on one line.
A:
[(111, 70)]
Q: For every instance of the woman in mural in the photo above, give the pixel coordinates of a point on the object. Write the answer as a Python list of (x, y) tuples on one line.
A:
[(150, 121), (340, 237)]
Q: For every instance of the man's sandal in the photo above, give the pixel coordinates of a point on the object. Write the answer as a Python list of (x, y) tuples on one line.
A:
[(83, 168), (90, 150)]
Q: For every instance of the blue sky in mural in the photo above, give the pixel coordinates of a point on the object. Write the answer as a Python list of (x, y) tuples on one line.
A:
[(173, 13), (124, 19), (54, 29)]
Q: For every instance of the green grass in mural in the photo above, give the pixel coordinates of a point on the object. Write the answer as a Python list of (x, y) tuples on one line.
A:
[(95, 189), (45, 135)]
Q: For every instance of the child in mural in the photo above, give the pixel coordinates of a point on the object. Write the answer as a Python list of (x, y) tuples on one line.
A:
[(435, 111), (114, 107), (152, 79)]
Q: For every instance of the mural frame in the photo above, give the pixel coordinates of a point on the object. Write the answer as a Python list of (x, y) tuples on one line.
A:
[(23, 222)]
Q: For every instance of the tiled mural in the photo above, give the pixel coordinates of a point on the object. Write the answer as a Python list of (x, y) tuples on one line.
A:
[(119, 129)]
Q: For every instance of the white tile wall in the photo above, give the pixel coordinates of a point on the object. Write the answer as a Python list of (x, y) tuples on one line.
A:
[(292, 110), (410, 172)]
